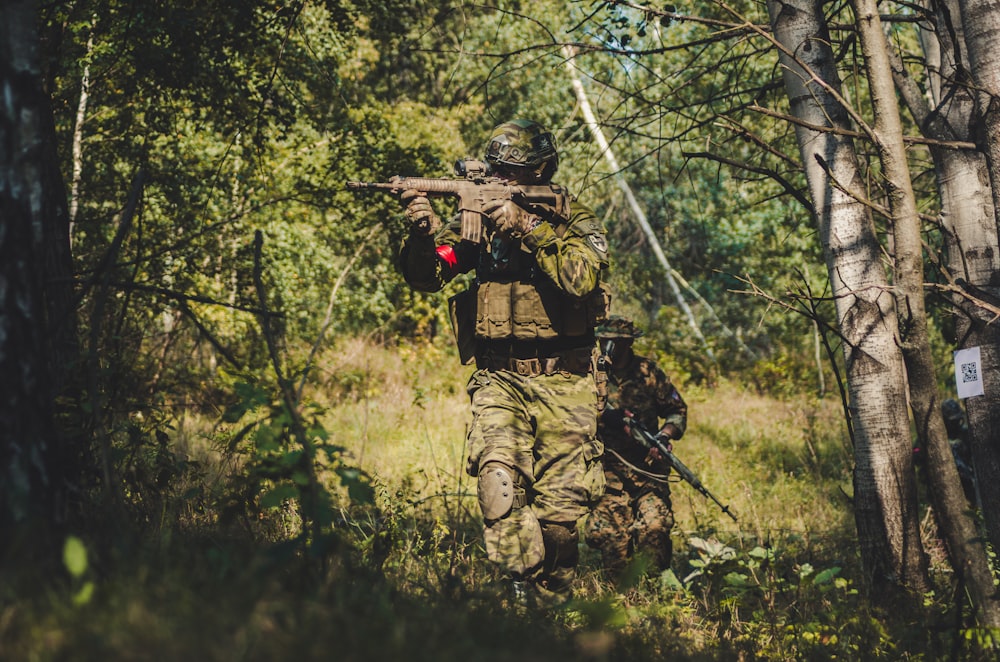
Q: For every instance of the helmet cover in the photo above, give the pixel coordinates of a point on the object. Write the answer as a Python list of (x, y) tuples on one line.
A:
[(617, 326), (522, 143)]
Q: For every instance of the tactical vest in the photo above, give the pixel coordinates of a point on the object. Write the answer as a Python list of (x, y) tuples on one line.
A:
[(535, 310), (516, 300)]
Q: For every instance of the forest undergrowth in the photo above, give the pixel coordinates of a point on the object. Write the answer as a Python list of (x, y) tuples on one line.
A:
[(239, 547)]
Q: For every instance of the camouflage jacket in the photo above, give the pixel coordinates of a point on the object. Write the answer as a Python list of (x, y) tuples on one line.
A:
[(572, 255), (641, 387)]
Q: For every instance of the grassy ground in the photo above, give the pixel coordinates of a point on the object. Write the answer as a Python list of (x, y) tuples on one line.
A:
[(405, 578)]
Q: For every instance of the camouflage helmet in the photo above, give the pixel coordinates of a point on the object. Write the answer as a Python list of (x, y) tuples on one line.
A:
[(524, 144), (617, 326)]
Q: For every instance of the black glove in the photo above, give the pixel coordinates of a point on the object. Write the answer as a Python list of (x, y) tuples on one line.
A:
[(422, 217)]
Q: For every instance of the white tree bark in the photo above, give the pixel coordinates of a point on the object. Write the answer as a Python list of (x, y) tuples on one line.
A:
[(37, 314), (81, 115), (981, 23), (976, 244), (968, 554), (884, 485)]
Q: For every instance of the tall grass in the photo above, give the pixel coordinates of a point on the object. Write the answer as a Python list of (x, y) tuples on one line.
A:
[(407, 579)]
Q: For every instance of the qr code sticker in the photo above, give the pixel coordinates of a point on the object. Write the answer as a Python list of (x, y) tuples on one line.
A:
[(970, 373)]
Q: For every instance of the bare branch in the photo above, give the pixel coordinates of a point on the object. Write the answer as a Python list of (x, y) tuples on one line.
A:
[(767, 172), (912, 140)]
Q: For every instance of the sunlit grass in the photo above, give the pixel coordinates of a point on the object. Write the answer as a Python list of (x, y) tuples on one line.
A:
[(408, 577)]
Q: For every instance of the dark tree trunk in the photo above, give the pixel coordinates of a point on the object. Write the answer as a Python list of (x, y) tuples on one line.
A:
[(38, 347)]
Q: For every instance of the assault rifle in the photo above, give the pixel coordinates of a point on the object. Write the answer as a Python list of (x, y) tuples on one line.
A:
[(643, 436), (474, 187)]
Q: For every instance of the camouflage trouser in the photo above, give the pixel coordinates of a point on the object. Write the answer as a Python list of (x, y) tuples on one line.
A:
[(631, 518), (544, 427)]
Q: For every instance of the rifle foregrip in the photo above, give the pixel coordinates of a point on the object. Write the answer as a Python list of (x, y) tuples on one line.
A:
[(422, 184), (427, 184)]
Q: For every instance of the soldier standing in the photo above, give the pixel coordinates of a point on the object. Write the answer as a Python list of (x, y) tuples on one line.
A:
[(532, 310), (635, 515)]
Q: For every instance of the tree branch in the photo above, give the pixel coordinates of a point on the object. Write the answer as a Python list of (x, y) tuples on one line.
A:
[(767, 172)]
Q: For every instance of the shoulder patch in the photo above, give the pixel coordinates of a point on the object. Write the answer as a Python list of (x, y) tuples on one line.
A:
[(599, 242)]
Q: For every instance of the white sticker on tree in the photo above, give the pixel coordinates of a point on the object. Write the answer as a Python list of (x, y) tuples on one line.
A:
[(968, 372)]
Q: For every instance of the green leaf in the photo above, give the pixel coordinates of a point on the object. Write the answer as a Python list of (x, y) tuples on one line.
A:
[(738, 580), (826, 576), (318, 432), (601, 614), (84, 595), (292, 458), (233, 413), (669, 580), (361, 492), (633, 573), (75, 556)]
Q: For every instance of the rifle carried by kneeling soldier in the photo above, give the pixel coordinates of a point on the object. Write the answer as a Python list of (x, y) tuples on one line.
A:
[(645, 438)]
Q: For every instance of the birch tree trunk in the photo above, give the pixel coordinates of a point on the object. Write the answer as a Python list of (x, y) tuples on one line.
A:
[(81, 116), (956, 524), (884, 485), (980, 22)]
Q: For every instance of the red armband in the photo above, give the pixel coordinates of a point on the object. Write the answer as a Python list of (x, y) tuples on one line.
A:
[(447, 255)]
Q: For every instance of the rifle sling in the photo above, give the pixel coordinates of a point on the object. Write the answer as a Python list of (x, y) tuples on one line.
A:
[(660, 478)]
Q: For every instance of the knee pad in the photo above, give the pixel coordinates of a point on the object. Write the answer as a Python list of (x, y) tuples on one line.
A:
[(561, 544), (500, 490)]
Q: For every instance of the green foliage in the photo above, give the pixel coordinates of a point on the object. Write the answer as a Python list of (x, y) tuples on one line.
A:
[(253, 117), (153, 478), (260, 122), (780, 608), (288, 465), (75, 556), (75, 560), (398, 570)]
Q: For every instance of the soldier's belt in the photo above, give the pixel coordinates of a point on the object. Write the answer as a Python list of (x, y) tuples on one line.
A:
[(576, 361)]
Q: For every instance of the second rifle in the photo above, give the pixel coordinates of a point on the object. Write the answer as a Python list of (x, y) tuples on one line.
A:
[(645, 438)]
